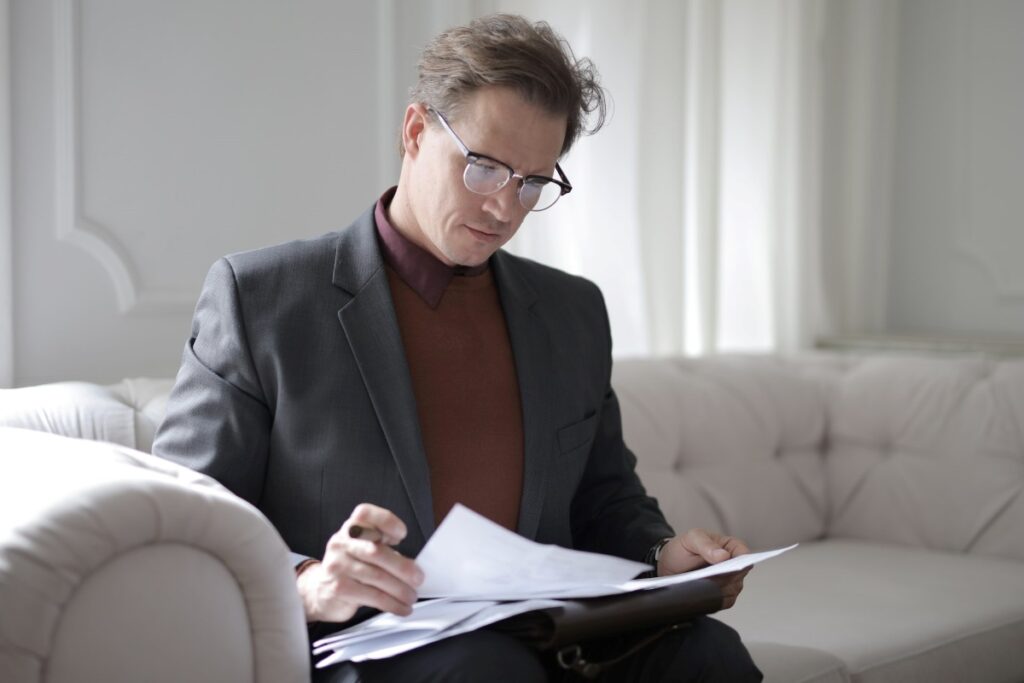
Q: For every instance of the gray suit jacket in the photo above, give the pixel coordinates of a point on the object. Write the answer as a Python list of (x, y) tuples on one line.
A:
[(294, 392)]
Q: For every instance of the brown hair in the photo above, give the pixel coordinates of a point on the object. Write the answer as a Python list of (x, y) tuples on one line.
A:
[(507, 50)]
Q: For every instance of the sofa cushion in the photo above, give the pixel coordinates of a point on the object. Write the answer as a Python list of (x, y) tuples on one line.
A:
[(891, 613), (126, 413), (722, 441), (790, 664), (929, 452)]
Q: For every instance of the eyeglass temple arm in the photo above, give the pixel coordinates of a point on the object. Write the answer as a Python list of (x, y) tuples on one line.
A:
[(567, 186)]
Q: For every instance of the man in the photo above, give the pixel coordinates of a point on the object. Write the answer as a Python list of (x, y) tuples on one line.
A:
[(372, 378)]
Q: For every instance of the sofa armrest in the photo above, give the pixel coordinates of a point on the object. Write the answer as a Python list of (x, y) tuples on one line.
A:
[(116, 565)]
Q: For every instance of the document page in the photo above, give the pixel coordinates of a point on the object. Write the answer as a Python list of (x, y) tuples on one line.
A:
[(427, 615), (470, 556), (734, 564)]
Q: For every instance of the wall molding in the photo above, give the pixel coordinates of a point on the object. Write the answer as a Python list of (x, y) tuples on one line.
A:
[(6, 203), (72, 225)]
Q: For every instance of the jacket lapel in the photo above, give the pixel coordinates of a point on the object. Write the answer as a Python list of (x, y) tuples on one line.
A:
[(371, 327), (531, 347)]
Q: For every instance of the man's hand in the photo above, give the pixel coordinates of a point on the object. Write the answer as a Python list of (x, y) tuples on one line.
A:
[(699, 548), (363, 571)]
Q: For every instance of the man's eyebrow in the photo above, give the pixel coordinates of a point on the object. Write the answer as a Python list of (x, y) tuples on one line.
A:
[(548, 173)]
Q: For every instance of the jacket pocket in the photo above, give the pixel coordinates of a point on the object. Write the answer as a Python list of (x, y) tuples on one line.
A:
[(577, 434)]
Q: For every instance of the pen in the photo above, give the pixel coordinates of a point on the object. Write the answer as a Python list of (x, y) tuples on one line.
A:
[(365, 533)]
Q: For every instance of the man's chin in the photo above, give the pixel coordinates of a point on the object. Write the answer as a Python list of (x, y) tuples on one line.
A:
[(471, 258), (474, 263)]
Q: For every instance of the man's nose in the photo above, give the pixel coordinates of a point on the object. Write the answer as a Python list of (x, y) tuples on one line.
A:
[(504, 203)]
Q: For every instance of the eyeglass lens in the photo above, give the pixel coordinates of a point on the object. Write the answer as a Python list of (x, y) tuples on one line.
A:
[(485, 177)]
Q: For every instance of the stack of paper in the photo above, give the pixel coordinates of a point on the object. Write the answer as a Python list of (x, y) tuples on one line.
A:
[(481, 573), (387, 635)]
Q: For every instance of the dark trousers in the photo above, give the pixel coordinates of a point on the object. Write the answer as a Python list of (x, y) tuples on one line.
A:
[(705, 650)]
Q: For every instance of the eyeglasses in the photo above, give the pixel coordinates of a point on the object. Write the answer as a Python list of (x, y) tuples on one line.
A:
[(486, 175)]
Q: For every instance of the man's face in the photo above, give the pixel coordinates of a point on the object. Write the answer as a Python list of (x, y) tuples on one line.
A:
[(458, 226)]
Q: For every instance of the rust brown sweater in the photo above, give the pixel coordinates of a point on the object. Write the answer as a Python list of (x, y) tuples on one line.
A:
[(467, 395)]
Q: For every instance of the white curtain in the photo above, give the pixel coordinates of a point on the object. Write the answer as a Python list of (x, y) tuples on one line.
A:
[(696, 209)]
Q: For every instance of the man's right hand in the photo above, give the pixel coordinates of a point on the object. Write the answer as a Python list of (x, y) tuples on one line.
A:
[(356, 572)]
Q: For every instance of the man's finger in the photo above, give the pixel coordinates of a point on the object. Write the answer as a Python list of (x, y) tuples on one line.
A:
[(368, 516), (370, 596), (387, 559), (735, 546), (375, 577), (702, 543)]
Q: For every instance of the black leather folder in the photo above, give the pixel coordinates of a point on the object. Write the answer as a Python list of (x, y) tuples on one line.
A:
[(576, 621)]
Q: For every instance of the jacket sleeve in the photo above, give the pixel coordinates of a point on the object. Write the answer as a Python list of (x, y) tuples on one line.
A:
[(611, 511), (217, 420)]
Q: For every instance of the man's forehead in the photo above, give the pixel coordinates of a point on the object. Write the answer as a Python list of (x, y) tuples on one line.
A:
[(499, 122)]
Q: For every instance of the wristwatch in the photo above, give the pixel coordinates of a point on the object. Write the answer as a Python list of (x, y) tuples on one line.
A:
[(654, 554)]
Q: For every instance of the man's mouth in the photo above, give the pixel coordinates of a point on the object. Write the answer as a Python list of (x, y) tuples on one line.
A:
[(480, 234)]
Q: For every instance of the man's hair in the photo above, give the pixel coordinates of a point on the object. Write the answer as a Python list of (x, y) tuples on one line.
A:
[(508, 51)]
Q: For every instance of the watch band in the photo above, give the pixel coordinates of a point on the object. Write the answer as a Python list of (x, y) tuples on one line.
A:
[(654, 554)]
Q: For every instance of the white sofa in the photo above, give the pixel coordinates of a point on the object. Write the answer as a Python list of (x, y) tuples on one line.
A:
[(116, 565), (900, 476)]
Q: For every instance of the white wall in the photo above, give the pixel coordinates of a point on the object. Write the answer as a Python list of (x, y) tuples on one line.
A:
[(152, 137), (924, 161), (957, 244)]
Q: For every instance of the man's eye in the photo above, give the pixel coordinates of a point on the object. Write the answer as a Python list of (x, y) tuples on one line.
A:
[(488, 167)]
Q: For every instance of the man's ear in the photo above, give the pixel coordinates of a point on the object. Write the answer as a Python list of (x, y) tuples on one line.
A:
[(415, 122)]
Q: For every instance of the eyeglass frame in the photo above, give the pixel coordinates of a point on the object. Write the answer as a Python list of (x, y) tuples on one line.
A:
[(564, 185)]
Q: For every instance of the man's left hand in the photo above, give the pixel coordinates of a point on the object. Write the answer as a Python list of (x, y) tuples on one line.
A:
[(699, 548)]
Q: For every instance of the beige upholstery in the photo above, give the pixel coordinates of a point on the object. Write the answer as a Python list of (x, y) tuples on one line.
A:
[(891, 613), (723, 441), (118, 566), (930, 453), (902, 478), (797, 664), (126, 413)]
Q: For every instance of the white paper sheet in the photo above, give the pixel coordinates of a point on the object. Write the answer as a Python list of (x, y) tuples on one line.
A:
[(734, 564), (470, 556), (417, 632), (427, 615)]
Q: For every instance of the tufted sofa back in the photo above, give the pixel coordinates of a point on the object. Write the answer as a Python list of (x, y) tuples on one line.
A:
[(127, 413), (917, 450)]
